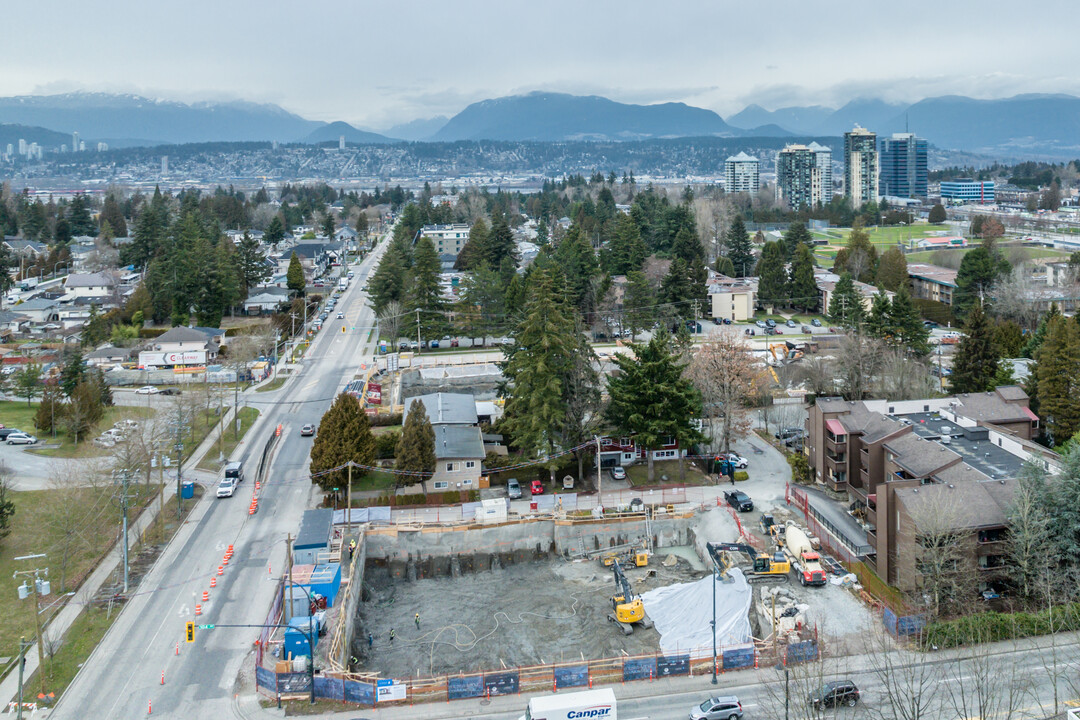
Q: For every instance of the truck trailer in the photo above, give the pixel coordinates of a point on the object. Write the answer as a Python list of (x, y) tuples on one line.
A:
[(587, 705)]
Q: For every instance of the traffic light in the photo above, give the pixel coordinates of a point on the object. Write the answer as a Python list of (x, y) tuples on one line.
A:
[(342, 329), (189, 629)]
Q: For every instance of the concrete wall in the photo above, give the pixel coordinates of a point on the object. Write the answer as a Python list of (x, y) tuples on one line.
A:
[(440, 551)]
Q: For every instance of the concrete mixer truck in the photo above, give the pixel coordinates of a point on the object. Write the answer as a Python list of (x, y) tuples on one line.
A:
[(804, 559)]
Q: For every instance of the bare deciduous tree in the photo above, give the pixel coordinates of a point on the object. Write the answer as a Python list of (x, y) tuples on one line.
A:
[(943, 539), (726, 374), (390, 320), (978, 682), (909, 685)]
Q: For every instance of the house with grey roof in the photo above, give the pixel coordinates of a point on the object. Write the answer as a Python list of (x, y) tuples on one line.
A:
[(107, 355), (445, 408), (182, 347), (459, 457), (265, 300), (39, 310), (99, 284)]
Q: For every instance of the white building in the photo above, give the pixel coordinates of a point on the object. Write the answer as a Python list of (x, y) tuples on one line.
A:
[(741, 174), (448, 239), (824, 165), (90, 284), (181, 346)]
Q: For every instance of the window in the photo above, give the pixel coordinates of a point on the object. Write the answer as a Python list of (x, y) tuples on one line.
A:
[(669, 440), (467, 482), (624, 442), (469, 464), (441, 484), (926, 408), (452, 467)]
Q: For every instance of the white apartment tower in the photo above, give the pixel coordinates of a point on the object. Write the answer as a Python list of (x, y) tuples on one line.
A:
[(823, 156), (741, 174)]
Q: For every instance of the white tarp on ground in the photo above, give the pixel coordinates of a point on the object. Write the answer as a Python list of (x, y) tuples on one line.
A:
[(682, 613)]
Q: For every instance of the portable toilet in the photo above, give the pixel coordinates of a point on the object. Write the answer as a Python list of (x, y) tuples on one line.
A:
[(313, 540)]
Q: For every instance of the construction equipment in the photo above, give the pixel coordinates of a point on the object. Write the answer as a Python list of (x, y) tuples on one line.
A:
[(633, 554), (628, 607), (803, 557), (785, 352), (772, 529), (767, 568)]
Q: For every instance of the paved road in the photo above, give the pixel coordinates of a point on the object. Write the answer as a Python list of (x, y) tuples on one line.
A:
[(124, 673)]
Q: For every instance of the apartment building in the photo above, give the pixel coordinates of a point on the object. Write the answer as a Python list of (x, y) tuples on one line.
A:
[(932, 282), (904, 170), (889, 457), (742, 174), (803, 176), (731, 298), (448, 239), (860, 166), (965, 191)]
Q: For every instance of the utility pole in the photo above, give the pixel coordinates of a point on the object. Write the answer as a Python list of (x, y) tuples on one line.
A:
[(288, 579), (179, 468), (23, 647), (599, 494), (38, 587), (348, 504), (418, 330), (123, 476)]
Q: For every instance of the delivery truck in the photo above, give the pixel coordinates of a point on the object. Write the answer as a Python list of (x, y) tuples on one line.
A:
[(587, 705)]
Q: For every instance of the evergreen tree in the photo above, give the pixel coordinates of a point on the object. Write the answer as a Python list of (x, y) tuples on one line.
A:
[(724, 266), (50, 410), (1057, 371), (739, 248), (651, 399), (275, 231), (344, 435), (796, 234), (976, 363), (879, 320), (910, 333), (859, 256), (329, 225), (474, 251), (426, 292), (514, 297), (361, 226), (537, 368), (387, 283), (688, 247), (73, 372), (294, 277), (500, 242), (978, 271), (675, 288), (577, 261), (626, 251), (803, 291), (82, 411), (27, 382), (112, 215), (251, 264), (1031, 347), (772, 276), (846, 304), (415, 452), (638, 302), (937, 214), (150, 232), (892, 271), (97, 379), (482, 306), (79, 218)]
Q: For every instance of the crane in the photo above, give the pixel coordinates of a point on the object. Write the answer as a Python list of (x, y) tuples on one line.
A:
[(627, 607), (767, 568)]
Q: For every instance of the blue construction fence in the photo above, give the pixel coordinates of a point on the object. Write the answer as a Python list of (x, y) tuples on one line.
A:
[(527, 679), (902, 625)]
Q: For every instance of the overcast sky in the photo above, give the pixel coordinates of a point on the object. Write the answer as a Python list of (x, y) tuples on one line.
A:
[(376, 64)]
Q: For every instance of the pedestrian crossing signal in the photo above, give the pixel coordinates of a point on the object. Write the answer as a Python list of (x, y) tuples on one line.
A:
[(189, 632)]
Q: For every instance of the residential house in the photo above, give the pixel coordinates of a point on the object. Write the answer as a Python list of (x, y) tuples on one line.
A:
[(448, 239), (458, 409), (265, 300), (826, 282), (625, 451), (107, 355), (28, 250), (99, 284), (39, 310), (182, 346), (12, 323), (459, 457)]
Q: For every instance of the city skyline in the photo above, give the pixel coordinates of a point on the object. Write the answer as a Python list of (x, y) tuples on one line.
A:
[(472, 51)]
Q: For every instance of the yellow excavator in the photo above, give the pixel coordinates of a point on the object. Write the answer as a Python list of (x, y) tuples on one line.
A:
[(628, 609), (636, 555), (767, 568)]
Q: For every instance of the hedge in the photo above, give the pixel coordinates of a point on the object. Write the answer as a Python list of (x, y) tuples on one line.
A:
[(741, 475), (995, 626)]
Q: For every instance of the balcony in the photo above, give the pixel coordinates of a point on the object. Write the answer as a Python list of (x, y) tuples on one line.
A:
[(991, 563), (835, 443), (991, 537)]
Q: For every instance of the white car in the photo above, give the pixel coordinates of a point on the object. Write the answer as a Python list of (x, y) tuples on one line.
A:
[(226, 488), (738, 460), (21, 439), (340, 315), (147, 390)]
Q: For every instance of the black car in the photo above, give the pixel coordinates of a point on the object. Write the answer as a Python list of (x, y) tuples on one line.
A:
[(739, 500), (169, 391), (837, 692), (788, 433), (4, 432)]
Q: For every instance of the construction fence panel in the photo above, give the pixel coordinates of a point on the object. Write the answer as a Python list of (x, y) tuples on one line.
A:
[(802, 652), (738, 658), (501, 683), (573, 676), (667, 665), (902, 625), (359, 692), (265, 680), (639, 668), (293, 682), (459, 688), (329, 688)]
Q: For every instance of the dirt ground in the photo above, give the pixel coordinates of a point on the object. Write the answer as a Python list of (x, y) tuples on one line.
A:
[(519, 615)]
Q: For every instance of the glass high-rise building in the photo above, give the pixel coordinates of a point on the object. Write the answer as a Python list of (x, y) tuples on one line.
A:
[(903, 166), (860, 166), (804, 176)]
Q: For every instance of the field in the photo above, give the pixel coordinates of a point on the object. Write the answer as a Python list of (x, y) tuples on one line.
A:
[(15, 413), (1013, 253), (248, 416)]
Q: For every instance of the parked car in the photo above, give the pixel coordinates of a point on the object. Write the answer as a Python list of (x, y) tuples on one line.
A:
[(737, 460), (788, 432), (169, 391), (815, 322), (4, 432), (725, 707), (617, 473), (414, 346), (739, 500), (226, 487), (770, 323), (837, 692), (717, 321), (761, 324), (806, 329), (536, 487), (147, 390), (513, 489), (434, 345), (790, 323), (930, 324), (403, 345), (454, 342), (307, 431), (21, 438)]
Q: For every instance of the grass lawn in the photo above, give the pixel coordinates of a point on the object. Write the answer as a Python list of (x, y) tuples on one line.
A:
[(85, 448), (638, 474), (90, 627), (375, 480), (1013, 253), (248, 416), (383, 429), (74, 526), (274, 384)]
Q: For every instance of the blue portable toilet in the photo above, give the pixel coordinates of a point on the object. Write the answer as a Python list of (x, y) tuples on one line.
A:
[(187, 490)]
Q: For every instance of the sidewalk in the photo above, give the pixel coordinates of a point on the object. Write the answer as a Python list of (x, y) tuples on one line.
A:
[(61, 622)]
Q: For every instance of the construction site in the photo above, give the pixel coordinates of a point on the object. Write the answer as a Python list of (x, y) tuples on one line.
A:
[(548, 591)]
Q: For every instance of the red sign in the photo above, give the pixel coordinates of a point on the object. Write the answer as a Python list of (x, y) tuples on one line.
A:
[(374, 394)]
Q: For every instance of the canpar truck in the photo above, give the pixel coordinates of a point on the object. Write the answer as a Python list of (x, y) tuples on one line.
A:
[(587, 705), (804, 558)]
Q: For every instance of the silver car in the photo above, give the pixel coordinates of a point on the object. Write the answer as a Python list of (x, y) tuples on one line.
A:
[(725, 707)]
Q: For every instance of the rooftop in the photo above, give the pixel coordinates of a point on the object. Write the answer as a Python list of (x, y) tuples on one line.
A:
[(742, 157), (933, 273), (918, 456), (452, 441), (969, 500), (445, 408)]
